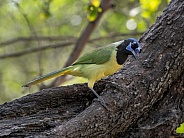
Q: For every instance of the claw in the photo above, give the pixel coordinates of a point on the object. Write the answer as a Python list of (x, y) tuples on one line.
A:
[(100, 99)]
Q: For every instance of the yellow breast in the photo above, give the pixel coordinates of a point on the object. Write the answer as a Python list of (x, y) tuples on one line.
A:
[(111, 66), (95, 72)]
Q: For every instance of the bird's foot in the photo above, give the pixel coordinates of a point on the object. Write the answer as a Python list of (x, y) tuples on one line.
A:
[(102, 102), (100, 99)]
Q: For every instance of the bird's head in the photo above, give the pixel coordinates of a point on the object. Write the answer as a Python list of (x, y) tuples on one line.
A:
[(127, 47), (133, 47)]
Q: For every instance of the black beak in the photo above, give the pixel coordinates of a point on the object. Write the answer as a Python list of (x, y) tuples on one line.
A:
[(136, 55)]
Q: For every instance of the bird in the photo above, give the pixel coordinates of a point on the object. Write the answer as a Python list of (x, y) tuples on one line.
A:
[(97, 64)]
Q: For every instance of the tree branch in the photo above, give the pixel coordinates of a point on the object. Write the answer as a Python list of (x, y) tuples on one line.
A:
[(69, 41), (38, 38), (37, 49)]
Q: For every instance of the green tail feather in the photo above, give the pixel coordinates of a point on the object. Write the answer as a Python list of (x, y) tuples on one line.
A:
[(49, 76)]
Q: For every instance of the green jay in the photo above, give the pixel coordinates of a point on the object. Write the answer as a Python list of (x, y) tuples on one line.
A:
[(97, 63)]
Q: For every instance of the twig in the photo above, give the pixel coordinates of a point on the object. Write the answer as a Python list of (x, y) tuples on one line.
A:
[(61, 38), (32, 30), (32, 50), (58, 45), (38, 38), (34, 35)]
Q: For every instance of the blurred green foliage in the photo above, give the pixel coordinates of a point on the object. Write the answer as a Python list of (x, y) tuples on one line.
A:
[(180, 129), (50, 19), (93, 9)]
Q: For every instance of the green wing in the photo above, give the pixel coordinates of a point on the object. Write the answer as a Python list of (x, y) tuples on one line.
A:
[(98, 56)]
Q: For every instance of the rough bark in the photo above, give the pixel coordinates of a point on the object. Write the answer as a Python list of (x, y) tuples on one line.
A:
[(146, 97)]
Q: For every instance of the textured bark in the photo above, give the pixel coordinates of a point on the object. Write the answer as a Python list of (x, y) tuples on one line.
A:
[(146, 97)]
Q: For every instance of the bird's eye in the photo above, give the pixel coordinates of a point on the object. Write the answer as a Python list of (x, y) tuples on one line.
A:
[(134, 45)]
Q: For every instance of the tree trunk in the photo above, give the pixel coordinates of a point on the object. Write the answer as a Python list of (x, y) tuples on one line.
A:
[(145, 97)]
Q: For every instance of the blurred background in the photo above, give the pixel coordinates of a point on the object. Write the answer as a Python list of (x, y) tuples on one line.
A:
[(37, 36)]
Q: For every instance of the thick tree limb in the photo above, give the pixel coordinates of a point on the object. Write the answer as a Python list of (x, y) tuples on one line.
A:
[(145, 97)]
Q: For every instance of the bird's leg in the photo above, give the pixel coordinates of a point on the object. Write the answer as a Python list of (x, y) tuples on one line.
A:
[(100, 99)]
